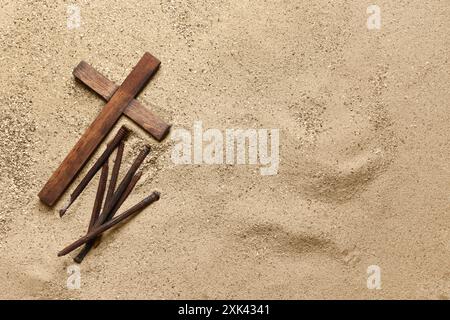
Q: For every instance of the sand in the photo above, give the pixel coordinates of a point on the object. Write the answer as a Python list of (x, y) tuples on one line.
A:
[(364, 148)]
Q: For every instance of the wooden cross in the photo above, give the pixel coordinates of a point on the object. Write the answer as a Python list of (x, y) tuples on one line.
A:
[(120, 100), (135, 110)]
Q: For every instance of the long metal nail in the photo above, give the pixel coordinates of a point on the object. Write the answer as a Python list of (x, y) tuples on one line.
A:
[(121, 134), (97, 207), (93, 243), (99, 230)]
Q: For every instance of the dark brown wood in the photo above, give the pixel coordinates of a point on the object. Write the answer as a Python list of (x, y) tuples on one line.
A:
[(99, 230), (98, 129), (94, 242), (111, 146), (115, 173), (146, 119)]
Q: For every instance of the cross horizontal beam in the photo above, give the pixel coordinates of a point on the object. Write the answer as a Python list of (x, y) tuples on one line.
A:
[(141, 115)]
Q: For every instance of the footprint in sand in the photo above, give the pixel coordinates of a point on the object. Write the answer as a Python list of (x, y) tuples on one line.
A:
[(342, 137)]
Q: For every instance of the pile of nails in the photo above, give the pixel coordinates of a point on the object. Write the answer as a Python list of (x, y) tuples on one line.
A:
[(103, 213)]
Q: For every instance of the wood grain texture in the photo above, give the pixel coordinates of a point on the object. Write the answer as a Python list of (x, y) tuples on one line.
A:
[(141, 115), (98, 129)]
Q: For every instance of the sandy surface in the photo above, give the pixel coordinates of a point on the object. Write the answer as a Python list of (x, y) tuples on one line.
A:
[(364, 148)]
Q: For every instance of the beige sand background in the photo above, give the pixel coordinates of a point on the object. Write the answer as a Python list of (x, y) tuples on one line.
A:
[(364, 147)]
